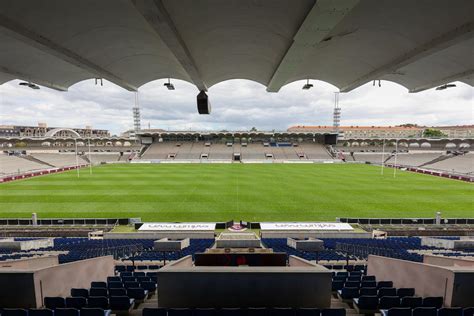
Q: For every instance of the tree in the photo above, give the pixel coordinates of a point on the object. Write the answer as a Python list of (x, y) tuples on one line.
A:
[(431, 132), (253, 129)]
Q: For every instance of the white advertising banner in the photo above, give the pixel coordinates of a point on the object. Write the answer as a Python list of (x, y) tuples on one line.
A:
[(305, 226), (177, 227)]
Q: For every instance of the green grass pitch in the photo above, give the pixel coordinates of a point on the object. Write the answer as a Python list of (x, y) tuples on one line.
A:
[(252, 192)]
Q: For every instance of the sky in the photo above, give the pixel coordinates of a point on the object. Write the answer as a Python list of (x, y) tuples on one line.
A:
[(236, 105)]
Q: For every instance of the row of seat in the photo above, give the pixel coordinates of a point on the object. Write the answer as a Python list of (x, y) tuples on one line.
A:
[(353, 292), (138, 274), (123, 268), (57, 312), (428, 311), (374, 303), (124, 279), (116, 303), (338, 284), (244, 312)]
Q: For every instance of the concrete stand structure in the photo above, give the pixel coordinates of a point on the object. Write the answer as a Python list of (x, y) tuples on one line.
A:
[(462, 243), (238, 240), (309, 244), (166, 244), (299, 284), (10, 243)]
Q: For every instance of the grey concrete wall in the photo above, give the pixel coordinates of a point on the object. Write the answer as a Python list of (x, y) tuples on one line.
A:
[(427, 280), (165, 244), (58, 280), (160, 235), (26, 244), (299, 286), (447, 261), (30, 263)]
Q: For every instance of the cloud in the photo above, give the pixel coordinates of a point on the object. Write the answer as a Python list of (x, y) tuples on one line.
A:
[(236, 105)]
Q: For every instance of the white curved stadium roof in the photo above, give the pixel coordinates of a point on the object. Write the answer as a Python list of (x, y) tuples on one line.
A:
[(419, 44)]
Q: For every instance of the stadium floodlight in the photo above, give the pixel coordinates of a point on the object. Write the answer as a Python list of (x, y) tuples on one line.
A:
[(169, 85), (29, 85), (307, 86), (446, 86)]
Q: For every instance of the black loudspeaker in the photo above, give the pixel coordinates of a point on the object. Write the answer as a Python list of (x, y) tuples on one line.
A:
[(204, 106)]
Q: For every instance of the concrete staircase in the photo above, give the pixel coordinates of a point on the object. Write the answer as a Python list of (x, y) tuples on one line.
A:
[(438, 159), (31, 158)]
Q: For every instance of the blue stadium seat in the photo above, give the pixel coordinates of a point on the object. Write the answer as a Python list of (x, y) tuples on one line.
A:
[(14, 312), (387, 291), (143, 279), (355, 284), (121, 303), (339, 278), (140, 273), (451, 311), (98, 284), (337, 285), (180, 312), (367, 302), (368, 278), (399, 311), (368, 291), (411, 301), (54, 302), (348, 293), (40, 312), (114, 279), (133, 284), (66, 312), (76, 302), (354, 278), (98, 291), (79, 292), (154, 311), (368, 284), (149, 286), (424, 311), (436, 302), (307, 312), (94, 312), (382, 284), (118, 292), (387, 302), (333, 312), (404, 292), (98, 302), (115, 285), (129, 279), (137, 293)]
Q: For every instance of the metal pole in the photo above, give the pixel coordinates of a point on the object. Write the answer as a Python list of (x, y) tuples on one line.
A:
[(90, 160), (396, 155), (383, 155), (77, 158)]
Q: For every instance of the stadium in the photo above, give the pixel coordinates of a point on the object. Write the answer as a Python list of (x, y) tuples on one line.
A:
[(309, 221)]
